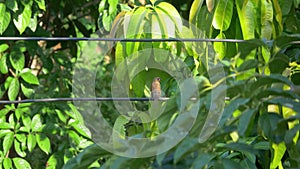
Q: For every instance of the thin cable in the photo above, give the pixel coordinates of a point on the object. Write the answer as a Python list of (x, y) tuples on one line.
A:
[(80, 99), (120, 39)]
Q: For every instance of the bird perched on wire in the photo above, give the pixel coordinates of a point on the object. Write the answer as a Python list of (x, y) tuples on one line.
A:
[(156, 89)]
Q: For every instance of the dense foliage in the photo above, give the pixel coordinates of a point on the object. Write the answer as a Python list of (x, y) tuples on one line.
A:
[(253, 86)]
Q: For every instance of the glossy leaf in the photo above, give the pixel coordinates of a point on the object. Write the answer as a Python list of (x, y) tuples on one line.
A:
[(7, 142), (245, 11), (18, 148), (13, 89), (23, 20), (4, 18), (28, 77), (36, 123), (20, 163), (31, 142), (27, 90), (195, 9), (223, 15), (43, 142)]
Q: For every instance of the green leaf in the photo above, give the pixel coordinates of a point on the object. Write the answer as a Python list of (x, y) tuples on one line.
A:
[(17, 146), (23, 20), (245, 119), (3, 47), (229, 109), (3, 64), (282, 42), (119, 130), (202, 160), (185, 147), (13, 89), (172, 13), (223, 15), (31, 142), (287, 102), (248, 64), (246, 13), (54, 161), (263, 145), (220, 47), (36, 123), (82, 129), (266, 19), (7, 142), (268, 80), (4, 111), (277, 154), (279, 63), (241, 147), (4, 18), (86, 157), (17, 59), (21, 163), (7, 163), (248, 46), (133, 26), (33, 23), (195, 10), (27, 90), (43, 142), (12, 4), (29, 77), (41, 4), (102, 6), (273, 126)]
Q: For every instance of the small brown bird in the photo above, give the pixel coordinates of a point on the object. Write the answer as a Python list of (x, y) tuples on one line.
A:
[(156, 90)]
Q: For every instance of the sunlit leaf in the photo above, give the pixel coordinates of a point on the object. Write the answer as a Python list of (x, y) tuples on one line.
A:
[(31, 141), (3, 64), (13, 89), (195, 9), (23, 19), (43, 142), (28, 77), (7, 142), (4, 18), (277, 154), (266, 19), (21, 163), (223, 15)]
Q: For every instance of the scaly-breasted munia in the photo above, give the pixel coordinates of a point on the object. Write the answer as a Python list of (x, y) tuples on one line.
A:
[(156, 90)]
